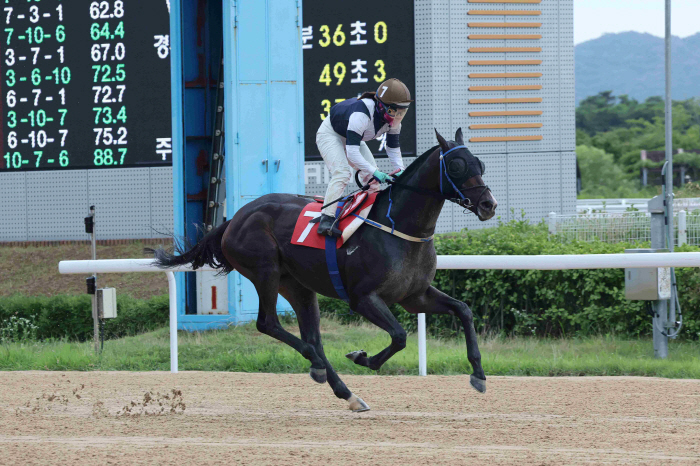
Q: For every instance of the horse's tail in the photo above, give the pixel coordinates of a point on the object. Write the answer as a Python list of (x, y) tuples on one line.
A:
[(206, 252)]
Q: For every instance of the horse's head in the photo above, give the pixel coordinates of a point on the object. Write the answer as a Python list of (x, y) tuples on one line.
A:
[(460, 178)]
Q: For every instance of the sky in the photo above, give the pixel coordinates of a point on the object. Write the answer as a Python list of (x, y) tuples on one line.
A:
[(593, 18)]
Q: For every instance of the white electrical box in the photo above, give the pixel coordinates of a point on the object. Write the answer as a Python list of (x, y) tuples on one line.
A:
[(212, 293), (647, 284), (107, 303)]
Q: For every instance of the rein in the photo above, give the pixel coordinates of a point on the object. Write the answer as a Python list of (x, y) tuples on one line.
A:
[(443, 173)]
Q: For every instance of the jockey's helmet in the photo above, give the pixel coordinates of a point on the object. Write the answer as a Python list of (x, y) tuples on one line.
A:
[(395, 98)]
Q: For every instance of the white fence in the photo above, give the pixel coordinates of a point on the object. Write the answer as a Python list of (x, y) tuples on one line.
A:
[(553, 262), (588, 206), (616, 227)]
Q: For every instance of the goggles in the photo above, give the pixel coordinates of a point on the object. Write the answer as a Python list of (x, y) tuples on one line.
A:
[(397, 113)]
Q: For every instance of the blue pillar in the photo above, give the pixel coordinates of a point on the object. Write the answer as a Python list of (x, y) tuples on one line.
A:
[(264, 115)]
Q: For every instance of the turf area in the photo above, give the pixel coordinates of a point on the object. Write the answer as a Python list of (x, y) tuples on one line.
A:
[(33, 271), (244, 349)]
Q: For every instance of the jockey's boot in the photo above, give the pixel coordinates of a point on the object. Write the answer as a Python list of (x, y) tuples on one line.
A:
[(327, 226)]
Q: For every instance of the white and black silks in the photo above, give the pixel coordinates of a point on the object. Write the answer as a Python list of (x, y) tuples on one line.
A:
[(361, 120), (341, 143)]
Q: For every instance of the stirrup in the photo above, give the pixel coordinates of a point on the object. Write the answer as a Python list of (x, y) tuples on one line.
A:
[(328, 226)]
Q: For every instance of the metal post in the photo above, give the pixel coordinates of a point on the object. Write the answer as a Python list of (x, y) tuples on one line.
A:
[(669, 156), (682, 227), (552, 223), (422, 353), (658, 241), (95, 314), (172, 292)]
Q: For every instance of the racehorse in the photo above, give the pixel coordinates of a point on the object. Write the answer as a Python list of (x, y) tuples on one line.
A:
[(378, 269)]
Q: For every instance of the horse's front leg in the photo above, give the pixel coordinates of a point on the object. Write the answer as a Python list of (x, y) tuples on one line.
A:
[(437, 302), (376, 311)]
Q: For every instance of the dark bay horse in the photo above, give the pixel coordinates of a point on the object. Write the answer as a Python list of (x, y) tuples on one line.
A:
[(377, 268)]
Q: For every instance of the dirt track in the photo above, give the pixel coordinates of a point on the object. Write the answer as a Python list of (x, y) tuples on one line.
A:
[(100, 418)]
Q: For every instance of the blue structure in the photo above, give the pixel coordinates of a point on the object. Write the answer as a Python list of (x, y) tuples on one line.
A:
[(263, 115)]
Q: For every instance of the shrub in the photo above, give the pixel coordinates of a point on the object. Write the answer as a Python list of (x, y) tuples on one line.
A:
[(70, 317), (539, 302), (17, 329)]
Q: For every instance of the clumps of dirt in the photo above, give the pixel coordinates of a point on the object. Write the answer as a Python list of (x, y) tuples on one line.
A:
[(48, 401), (99, 409), (152, 404), (77, 389), (155, 404)]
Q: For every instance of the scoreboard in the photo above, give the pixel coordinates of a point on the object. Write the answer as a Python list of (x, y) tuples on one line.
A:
[(350, 48), (84, 84)]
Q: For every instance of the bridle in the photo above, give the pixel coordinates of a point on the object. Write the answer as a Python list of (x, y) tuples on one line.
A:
[(462, 201)]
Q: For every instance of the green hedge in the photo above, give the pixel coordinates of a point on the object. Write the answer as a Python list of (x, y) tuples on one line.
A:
[(511, 302), (70, 317), (542, 303)]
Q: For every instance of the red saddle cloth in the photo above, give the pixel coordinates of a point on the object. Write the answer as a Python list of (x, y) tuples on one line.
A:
[(306, 233)]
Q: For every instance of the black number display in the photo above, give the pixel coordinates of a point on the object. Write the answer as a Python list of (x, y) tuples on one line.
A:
[(350, 48), (84, 84)]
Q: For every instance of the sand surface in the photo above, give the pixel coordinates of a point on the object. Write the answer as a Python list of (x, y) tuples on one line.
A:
[(233, 418)]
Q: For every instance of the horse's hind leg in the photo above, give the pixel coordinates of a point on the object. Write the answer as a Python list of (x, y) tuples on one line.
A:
[(267, 285), (305, 304)]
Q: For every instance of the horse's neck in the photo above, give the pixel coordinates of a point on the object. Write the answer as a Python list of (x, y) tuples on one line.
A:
[(413, 213)]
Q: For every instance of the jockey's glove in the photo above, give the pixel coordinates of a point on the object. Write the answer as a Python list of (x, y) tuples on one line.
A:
[(381, 176)]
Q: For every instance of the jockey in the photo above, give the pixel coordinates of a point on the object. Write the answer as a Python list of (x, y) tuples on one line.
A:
[(341, 142)]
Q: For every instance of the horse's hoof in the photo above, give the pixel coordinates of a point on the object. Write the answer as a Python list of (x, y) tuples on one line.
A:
[(319, 375), (357, 405), (478, 384), (355, 355)]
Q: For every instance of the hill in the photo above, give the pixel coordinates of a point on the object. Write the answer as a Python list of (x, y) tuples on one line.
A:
[(632, 63)]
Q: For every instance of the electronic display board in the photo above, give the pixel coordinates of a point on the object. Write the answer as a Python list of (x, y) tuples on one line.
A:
[(84, 84), (351, 47)]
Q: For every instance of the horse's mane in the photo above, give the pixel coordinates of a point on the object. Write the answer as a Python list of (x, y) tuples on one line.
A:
[(418, 162)]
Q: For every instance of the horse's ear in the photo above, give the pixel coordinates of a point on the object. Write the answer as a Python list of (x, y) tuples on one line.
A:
[(458, 137), (441, 140)]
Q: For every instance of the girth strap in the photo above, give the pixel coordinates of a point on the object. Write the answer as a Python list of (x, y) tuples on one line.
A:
[(394, 232), (332, 261)]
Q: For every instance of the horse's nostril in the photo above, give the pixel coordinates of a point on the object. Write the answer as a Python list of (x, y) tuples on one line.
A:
[(487, 205)]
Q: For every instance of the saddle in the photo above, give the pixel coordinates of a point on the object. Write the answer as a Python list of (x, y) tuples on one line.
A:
[(306, 228)]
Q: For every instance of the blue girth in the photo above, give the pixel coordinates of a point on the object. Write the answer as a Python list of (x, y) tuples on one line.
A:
[(332, 260)]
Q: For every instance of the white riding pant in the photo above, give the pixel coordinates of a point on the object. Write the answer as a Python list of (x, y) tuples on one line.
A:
[(331, 145)]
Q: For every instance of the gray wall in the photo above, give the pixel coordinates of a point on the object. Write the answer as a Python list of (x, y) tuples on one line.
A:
[(536, 176), (50, 205)]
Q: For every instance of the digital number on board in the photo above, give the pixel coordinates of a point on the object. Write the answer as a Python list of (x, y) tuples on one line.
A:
[(84, 84), (350, 48)]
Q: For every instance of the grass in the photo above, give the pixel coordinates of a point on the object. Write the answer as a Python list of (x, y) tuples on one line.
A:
[(244, 349), (33, 271)]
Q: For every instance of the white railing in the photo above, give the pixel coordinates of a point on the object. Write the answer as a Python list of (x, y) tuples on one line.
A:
[(584, 206), (136, 265), (554, 262)]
